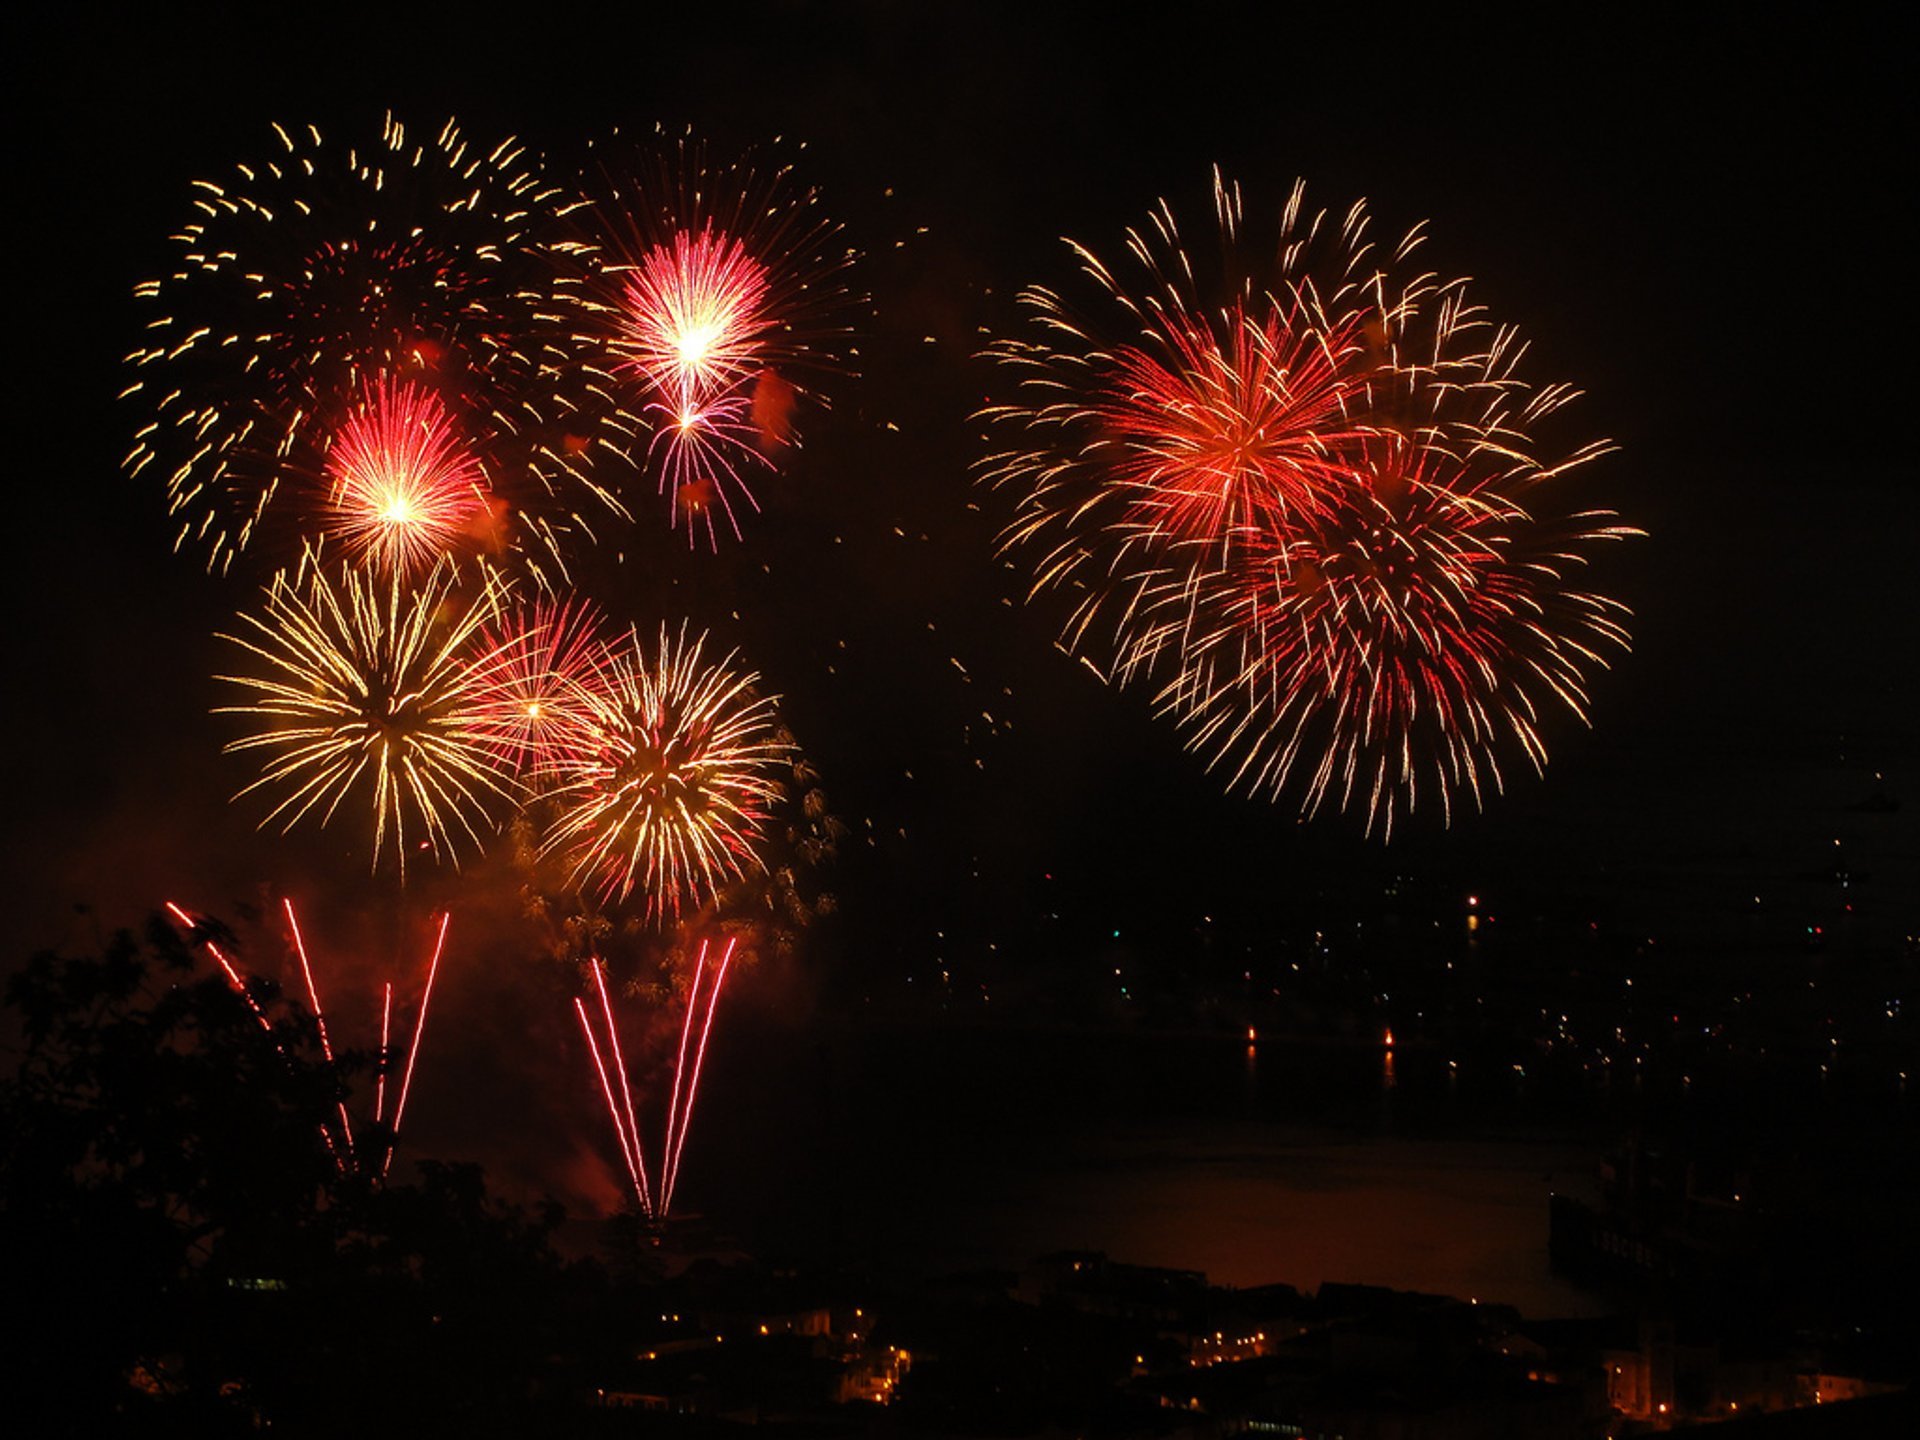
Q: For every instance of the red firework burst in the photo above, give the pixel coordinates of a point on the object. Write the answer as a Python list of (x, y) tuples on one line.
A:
[(1311, 508), (713, 290), (1396, 644), (1229, 428), (402, 486)]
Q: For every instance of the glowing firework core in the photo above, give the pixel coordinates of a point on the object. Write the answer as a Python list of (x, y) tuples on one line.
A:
[(401, 485), (694, 315), (664, 782)]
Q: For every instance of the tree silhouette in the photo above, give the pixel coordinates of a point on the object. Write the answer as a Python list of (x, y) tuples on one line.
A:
[(184, 1250)]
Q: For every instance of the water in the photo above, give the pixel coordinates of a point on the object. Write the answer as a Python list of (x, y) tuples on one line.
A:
[(930, 1150)]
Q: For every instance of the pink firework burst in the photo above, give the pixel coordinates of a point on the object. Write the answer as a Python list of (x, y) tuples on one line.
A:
[(707, 294), (701, 448), (695, 320), (402, 486)]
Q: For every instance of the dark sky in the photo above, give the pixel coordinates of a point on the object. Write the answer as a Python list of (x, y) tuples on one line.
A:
[(1694, 222)]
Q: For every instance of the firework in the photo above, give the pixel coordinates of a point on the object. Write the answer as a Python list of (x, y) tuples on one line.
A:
[(695, 315), (402, 488), (1398, 646), (551, 654), (343, 1146), (419, 1030), (1303, 501), (363, 686), (312, 275), (702, 1002), (712, 291), (665, 782)]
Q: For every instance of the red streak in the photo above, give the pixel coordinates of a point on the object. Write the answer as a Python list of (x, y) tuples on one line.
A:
[(319, 1017), (227, 966), (639, 1161), (419, 1028), (606, 1089), (380, 1075), (672, 1172), (679, 1070), (240, 988)]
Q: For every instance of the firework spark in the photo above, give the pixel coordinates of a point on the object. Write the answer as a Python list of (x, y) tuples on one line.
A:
[(364, 686), (312, 273), (665, 783), (1309, 510)]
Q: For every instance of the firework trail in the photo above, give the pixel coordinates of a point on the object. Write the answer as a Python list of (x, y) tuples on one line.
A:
[(315, 273), (1303, 501), (701, 1006), (319, 1018), (343, 1147), (711, 292), (664, 783), (361, 686), (419, 1030)]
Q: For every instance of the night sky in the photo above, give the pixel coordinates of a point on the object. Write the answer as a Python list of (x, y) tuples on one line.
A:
[(1696, 224)]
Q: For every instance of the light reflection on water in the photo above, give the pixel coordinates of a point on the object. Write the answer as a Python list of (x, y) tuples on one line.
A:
[(1250, 1203), (1253, 1162)]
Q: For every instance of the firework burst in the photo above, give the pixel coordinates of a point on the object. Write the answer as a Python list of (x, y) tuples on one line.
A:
[(712, 292), (1308, 510), (402, 488), (361, 686), (311, 275), (665, 783), (551, 658)]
